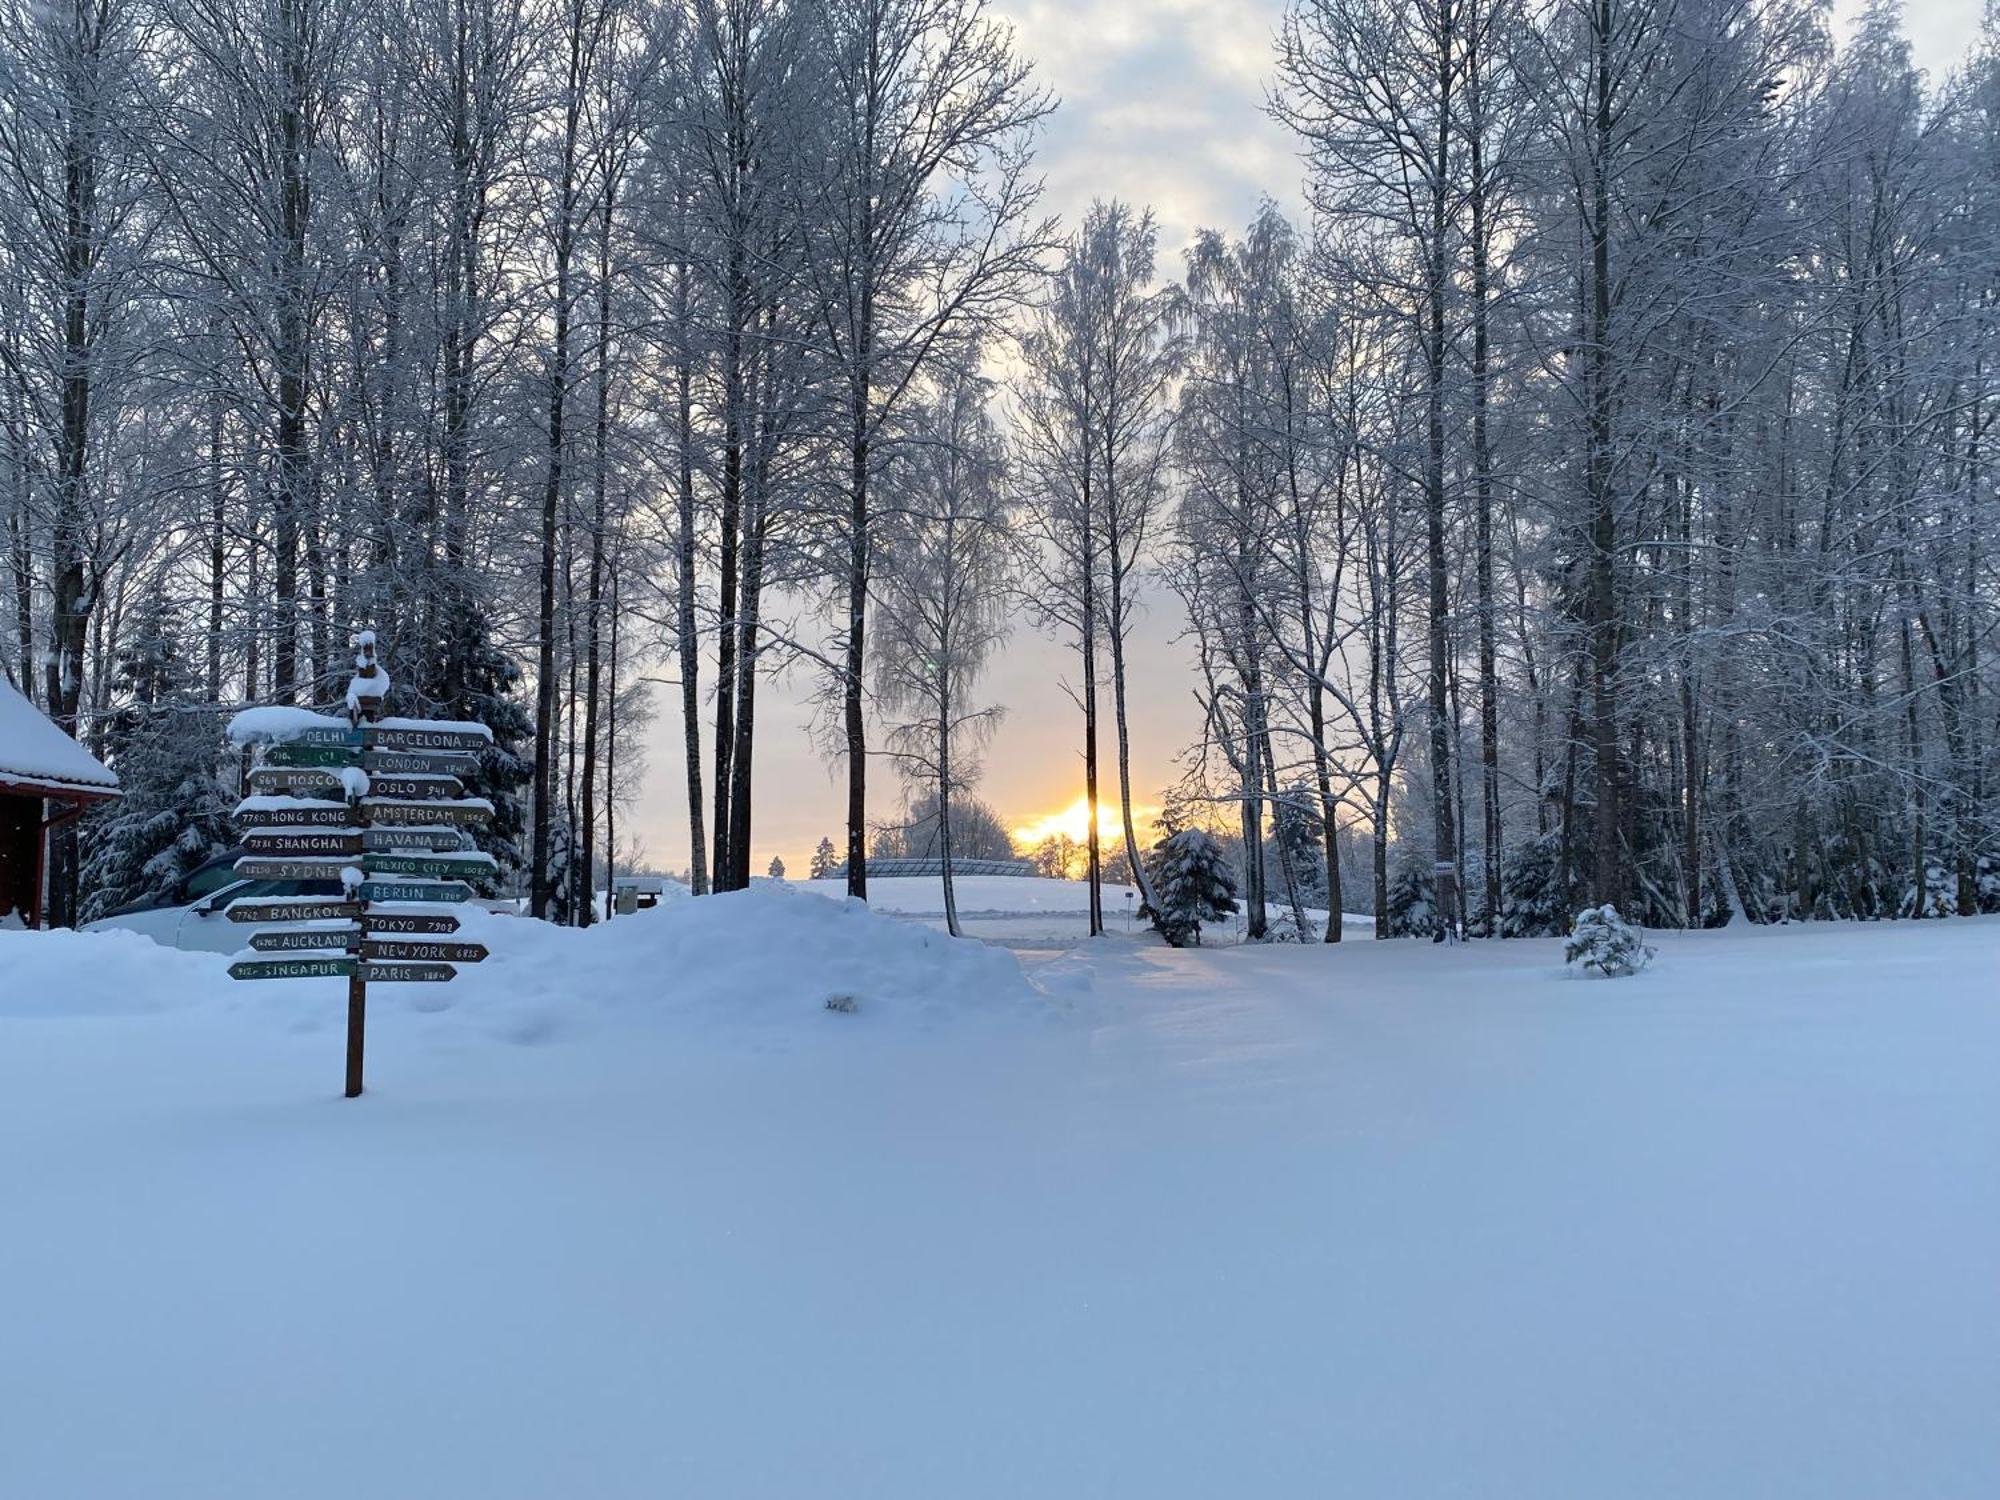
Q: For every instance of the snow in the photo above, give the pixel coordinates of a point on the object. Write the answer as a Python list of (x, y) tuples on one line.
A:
[(629, 1213), (265, 802), (275, 723), (442, 726), (366, 687), (34, 751)]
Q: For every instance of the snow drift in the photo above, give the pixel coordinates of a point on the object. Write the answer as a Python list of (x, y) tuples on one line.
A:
[(762, 958)]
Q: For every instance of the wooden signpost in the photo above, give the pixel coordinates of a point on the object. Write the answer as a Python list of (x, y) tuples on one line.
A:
[(358, 802)]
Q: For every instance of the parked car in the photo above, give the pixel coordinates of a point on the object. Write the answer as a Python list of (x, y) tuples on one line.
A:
[(192, 915)]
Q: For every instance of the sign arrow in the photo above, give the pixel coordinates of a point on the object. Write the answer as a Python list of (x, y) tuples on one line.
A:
[(420, 737), (329, 910), (290, 778), (418, 762), (311, 755), (303, 841), (389, 923), (328, 868), (305, 815), (293, 939), (319, 735), (291, 968), (430, 950), (445, 866), (417, 973), (444, 838), (418, 814), (415, 890), (415, 788)]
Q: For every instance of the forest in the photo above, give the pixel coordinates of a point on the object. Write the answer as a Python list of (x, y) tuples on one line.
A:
[(1586, 499)]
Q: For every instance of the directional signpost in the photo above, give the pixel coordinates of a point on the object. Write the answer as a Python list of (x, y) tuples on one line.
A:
[(378, 805)]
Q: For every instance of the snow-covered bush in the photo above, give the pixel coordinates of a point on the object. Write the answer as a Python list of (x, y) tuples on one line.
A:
[(1284, 928), (1193, 884), (1600, 939)]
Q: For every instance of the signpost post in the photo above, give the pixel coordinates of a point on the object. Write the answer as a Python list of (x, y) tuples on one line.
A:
[(378, 805)]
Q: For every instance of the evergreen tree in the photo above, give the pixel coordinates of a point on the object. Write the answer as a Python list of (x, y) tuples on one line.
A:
[(1300, 833), (468, 677), (777, 870), (824, 861), (166, 747), (1193, 884)]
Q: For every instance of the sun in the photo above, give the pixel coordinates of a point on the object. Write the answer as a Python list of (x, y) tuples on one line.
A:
[(1073, 823)]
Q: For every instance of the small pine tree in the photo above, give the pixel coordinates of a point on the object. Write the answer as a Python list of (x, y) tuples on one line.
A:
[(824, 861), (1602, 940), (777, 870), (1193, 884), (166, 747)]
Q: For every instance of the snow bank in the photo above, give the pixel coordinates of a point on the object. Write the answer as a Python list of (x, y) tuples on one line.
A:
[(73, 974), (763, 958)]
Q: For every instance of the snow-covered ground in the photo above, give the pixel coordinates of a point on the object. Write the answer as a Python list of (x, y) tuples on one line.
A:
[(629, 1213)]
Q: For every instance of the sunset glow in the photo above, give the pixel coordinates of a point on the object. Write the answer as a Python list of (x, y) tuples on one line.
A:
[(1073, 823)]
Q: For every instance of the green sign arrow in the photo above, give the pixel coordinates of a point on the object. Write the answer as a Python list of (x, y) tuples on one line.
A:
[(350, 738), (310, 755), (291, 968), (446, 866)]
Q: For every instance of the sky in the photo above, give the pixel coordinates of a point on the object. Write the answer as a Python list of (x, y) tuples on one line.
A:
[(1161, 104)]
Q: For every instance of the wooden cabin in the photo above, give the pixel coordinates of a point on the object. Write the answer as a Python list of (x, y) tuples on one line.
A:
[(46, 779)]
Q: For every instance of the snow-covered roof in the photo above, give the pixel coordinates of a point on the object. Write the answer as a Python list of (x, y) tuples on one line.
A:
[(37, 757)]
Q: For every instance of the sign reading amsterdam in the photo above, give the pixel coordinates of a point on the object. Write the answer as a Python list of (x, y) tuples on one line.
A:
[(353, 803)]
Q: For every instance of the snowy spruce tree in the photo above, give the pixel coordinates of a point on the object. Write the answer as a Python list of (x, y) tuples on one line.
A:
[(1604, 941), (166, 746), (824, 861), (1193, 884)]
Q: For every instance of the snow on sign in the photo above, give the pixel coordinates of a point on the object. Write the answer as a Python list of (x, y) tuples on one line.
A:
[(384, 798)]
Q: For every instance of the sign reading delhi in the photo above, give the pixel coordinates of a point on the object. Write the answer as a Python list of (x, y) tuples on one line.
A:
[(376, 808)]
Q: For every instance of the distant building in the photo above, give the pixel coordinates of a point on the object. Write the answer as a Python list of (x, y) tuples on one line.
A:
[(889, 868), (46, 779)]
